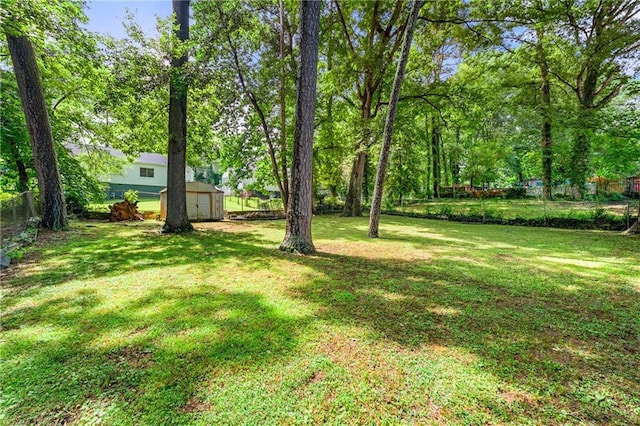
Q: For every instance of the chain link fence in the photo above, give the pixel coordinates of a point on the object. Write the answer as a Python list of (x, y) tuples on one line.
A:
[(15, 214)]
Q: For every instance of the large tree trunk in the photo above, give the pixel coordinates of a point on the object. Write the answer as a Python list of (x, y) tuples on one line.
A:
[(579, 163), (545, 96), (283, 114), (376, 203), (353, 202), (177, 218), (52, 204), (298, 235)]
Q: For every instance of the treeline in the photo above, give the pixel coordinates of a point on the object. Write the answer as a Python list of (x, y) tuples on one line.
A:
[(494, 92)]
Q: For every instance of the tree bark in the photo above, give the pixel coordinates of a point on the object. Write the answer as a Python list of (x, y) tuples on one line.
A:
[(177, 218), (545, 98), (299, 214), (283, 113), (353, 202), (435, 155), (376, 203), (52, 204)]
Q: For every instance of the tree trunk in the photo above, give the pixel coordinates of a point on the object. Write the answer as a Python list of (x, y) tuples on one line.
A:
[(299, 214), (545, 97), (579, 163), (376, 203), (582, 145), (177, 218), (353, 202), (283, 114), (52, 204), (435, 155)]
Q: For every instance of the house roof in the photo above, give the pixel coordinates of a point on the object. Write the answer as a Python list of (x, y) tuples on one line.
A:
[(199, 187), (143, 157)]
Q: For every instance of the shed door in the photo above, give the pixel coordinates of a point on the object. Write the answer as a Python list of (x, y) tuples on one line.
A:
[(198, 206), (217, 206)]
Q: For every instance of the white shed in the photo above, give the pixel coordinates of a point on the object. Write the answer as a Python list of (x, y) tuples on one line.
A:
[(204, 202)]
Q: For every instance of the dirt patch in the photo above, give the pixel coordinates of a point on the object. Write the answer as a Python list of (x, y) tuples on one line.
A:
[(194, 405), (224, 226), (511, 397), (132, 356)]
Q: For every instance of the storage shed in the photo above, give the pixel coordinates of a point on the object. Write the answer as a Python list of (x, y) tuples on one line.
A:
[(204, 202)]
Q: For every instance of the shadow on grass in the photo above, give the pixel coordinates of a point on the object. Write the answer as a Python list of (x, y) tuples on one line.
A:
[(570, 342), (139, 364), (96, 252), (573, 349)]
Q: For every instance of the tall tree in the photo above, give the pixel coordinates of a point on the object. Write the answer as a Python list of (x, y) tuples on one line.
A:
[(605, 38), (376, 203), (545, 107), (371, 35), (177, 218), (299, 214), (52, 204)]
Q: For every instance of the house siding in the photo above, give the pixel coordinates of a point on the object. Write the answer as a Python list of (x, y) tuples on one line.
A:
[(131, 175)]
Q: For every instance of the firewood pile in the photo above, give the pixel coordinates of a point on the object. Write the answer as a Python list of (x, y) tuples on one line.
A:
[(124, 210)]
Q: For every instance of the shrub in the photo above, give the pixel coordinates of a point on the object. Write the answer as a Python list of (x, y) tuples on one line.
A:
[(131, 196), (515, 193), (446, 210)]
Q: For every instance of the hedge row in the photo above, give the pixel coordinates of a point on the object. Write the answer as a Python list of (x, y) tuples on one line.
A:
[(604, 223)]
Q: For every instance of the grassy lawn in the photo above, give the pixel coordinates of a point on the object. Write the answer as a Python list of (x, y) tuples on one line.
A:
[(153, 204), (525, 209), (232, 203), (435, 323)]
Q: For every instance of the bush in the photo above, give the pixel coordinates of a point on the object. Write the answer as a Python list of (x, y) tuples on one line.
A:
[(515, 193), (446, 210), (131, 196)]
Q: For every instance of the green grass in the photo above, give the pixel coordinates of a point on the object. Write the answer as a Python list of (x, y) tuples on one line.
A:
[(232, 203), (524, 209), (435, 323), (153, 204)]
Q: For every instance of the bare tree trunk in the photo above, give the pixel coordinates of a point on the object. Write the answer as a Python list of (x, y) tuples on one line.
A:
[(52, 204), (376, 203), (283, 114), (177, 218), (353, 202), (298, 235)]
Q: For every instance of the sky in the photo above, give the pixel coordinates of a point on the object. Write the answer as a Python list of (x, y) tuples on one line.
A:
[(106, 16)]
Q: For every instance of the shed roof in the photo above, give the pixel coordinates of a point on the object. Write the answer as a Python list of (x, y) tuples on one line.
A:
[(199, 187)]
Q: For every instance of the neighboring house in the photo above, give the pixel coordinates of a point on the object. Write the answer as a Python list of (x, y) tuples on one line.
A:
[(147, 174)]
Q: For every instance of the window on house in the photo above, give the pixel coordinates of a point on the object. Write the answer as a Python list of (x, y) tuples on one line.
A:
[(146, 172)]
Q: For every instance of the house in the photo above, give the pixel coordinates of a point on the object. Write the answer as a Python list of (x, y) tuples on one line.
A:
[(147, 174)]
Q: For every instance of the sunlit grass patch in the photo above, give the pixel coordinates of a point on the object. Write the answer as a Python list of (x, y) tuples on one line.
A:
[(434, 323)]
